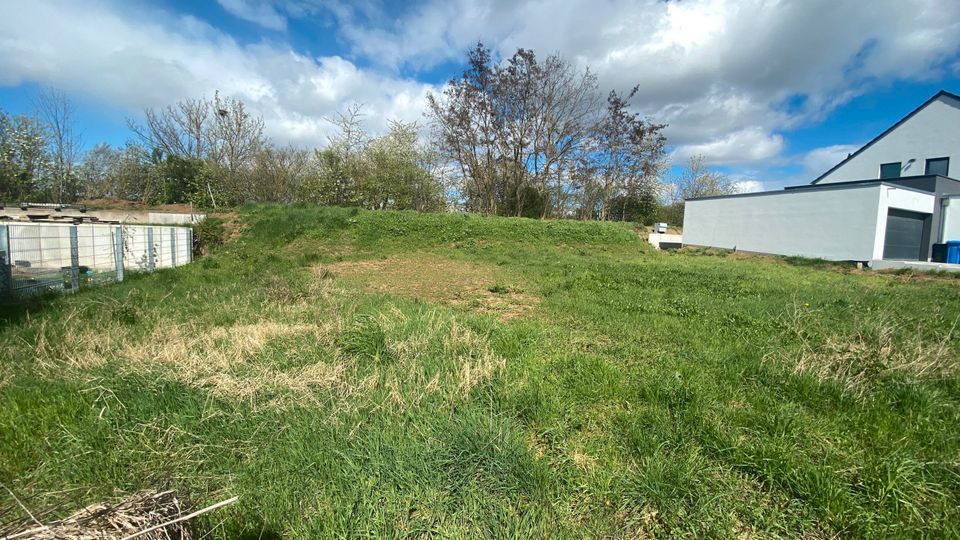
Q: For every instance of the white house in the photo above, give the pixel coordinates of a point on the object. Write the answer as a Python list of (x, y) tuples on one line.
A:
[(892, 199)]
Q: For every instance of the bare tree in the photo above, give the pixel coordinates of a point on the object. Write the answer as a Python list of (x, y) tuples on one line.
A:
[(527, 135), (177, 130), (234, 135), (220, 130), (58, 114), (696, 180), (466, 129)]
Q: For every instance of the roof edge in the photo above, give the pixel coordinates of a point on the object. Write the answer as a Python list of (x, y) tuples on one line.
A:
[(924, 105)]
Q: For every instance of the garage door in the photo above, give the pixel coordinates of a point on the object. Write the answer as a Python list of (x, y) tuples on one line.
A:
[(904, 235)]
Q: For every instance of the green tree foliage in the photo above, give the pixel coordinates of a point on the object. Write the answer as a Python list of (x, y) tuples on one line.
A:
[(393, 171), (23, 156), (522, 137)]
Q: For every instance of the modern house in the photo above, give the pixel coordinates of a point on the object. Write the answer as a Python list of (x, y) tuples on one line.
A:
[(892, 199)]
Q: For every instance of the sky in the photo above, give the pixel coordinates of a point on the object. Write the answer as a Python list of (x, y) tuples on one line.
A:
[(770, 92)]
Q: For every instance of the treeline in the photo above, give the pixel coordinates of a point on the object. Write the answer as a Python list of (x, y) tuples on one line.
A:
[(212, 153), (522, 137)]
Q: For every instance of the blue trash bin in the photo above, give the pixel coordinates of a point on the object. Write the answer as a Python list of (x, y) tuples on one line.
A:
[(953, 251)]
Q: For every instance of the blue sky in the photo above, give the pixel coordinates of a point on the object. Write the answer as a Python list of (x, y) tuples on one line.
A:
[(771, 92)]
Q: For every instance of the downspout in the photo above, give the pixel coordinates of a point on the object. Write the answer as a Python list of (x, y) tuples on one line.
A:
[(944, 219)]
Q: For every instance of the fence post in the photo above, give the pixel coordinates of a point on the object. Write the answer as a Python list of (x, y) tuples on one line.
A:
[(151, 263), (173, 247), (190, 244), (74, 259), (118, 251), (6, 285)]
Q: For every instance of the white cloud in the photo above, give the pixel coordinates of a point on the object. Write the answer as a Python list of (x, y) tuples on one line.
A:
[(748, 186), (156, 59), (748, 145), (719, 72), (820, 160), (716, 70), (256, 11)]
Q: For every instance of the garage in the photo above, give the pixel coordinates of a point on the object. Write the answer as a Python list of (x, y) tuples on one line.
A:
[(903, 240)]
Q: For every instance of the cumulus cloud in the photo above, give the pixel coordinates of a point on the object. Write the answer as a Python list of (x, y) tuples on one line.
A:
[(749, 145), (820, 160), (151, 61), (748, 186), (718, 71), (728, 76), (256, 11)]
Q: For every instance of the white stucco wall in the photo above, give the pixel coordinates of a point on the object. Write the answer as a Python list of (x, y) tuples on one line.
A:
[(951, 220), (934, 132), (844, 223), (835, 224)]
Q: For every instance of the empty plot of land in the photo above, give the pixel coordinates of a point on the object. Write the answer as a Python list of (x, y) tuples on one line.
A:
[(434, 278)]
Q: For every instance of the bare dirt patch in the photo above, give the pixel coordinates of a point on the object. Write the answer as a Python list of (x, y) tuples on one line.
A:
[(441, 280)]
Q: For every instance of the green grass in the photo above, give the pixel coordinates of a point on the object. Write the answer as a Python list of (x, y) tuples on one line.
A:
[(580, 385)]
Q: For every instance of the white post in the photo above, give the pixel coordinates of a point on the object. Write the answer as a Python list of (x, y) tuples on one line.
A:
[(151, 264), (74, 259), (173, 247), (6, 281), (118, 251)]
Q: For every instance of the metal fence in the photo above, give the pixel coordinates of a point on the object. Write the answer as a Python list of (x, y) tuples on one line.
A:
[(41, 257)]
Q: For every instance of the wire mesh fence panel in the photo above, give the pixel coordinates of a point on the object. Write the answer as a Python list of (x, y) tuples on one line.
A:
[(137, 251), (97, 254), (40, 258), (184, 251), (173, 246)]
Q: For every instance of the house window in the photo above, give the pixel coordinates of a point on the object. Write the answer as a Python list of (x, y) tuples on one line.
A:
[(890, 170), (939, 166)]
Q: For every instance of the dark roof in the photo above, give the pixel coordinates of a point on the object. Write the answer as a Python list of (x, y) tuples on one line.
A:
[(938, 95), (902, 182), (805, 187)]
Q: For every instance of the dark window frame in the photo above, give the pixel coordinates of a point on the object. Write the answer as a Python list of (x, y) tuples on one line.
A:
[(899, 165), (926, 166)]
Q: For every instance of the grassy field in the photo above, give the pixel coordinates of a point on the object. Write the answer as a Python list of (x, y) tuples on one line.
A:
[(364, 374)]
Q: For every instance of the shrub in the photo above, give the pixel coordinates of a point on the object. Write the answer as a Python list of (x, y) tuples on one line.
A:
[(207, 235)]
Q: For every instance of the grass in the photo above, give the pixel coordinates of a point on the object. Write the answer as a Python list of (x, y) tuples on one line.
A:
[(382, 374)]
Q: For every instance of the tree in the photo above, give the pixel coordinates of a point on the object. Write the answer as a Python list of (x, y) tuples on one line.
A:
[(390, 171), (65, 144), (528, 136), (696, 180), (626, 159), (398, 173), (23, 157), (98, 172), (219, 132), (277, 174), (466, 130)]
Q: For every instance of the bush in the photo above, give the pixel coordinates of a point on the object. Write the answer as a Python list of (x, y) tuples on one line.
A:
[(207, 235)]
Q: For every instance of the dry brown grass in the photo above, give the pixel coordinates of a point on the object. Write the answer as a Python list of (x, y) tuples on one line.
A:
[(876, 345), (147, 515), (279, 360), (440, 280), (223, 360), (436, 356)]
